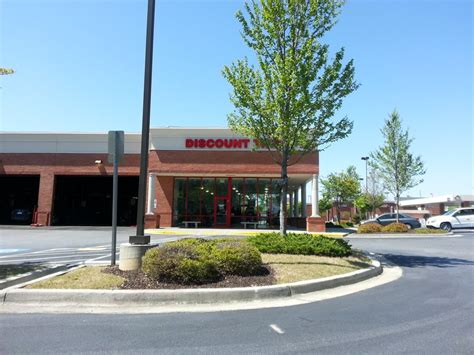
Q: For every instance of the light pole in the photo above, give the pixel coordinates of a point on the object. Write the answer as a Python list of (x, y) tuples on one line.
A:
[(366, 160), (140, 238)]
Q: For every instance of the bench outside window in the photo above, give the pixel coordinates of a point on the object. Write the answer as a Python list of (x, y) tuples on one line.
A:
[(187, 223), (254, 224)]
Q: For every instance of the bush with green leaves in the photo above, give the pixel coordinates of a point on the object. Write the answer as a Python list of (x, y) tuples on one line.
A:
[(300, 243), (395, 228), (369, 228), (200, 261), (180, 262), (236, 257), (429, 231)]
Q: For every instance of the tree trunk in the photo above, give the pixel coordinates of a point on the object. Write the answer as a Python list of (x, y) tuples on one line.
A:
[(398, 207), (283, 193)]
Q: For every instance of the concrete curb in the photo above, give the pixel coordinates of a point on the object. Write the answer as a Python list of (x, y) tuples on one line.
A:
[(184, 296), (398, 235)]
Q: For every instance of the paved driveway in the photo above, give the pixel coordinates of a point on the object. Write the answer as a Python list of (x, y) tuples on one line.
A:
[(429, 310), (59, 245)]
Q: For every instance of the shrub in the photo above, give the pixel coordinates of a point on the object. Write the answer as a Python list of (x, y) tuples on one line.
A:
[(395, 228), (332, 225), (356, 219), (180, 262), (236, 258), (369, 228), (429, 231), (300, 243), (199, 261), (347, 224)]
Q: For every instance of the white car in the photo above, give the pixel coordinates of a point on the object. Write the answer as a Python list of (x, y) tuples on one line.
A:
[(458, 218)]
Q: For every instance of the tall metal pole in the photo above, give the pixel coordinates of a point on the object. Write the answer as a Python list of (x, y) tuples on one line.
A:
[(366, 182), (114, 206), (140, 238)]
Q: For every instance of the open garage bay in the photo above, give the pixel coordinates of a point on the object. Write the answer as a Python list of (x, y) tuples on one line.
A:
[(87, 200)]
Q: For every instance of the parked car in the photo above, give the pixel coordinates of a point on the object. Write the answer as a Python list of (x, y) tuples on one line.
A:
[(458, 218), (388, 218), (21, 215)]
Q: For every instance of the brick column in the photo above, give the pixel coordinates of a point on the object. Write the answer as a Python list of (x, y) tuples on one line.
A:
[(164, 200), (45, 199)]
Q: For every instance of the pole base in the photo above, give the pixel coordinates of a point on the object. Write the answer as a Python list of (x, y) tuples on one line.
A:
[(139, 239), (131, 256), (315, 224)]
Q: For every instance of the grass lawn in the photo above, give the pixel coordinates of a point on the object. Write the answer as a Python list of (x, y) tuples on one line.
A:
[(287, 268), (86, 277), (292, 268)]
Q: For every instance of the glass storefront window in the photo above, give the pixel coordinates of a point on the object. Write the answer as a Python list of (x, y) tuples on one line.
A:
[(207, 211), (222, 187), (275, 201), (179, 204), (194, 198), (248, 199), (264, 200), (237, 196)]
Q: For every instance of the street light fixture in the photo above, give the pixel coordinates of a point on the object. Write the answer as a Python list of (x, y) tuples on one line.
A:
[(366, 161)]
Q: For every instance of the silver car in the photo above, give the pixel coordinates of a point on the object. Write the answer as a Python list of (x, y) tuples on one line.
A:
[(388, 218)]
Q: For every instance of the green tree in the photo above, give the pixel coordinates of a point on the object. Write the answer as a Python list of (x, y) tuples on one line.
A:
[(5, 71), (341, 188), (288, 99), (366, 202), (373, 197), (399, 169), (325, 204)]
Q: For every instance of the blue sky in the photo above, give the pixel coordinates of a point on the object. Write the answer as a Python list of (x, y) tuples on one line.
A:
[(79, 67)]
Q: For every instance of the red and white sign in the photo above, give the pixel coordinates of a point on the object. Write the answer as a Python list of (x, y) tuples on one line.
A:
[(219, 143)]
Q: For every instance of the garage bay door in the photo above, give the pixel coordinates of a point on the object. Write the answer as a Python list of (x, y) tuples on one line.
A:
[(87, 201)]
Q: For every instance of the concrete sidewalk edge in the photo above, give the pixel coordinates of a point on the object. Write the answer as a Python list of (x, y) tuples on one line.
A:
[(399, 235), (187, 296)]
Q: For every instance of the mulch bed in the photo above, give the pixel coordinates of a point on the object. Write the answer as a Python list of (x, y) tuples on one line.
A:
[(138, 280)]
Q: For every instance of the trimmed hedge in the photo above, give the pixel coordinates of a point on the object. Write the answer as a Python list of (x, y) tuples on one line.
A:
[(369, 228), (300, 243), (429, 231), (200, 261), (236, 258), (395, 228)]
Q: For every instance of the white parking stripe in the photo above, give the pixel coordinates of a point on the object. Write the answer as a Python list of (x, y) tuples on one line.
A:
[(100, 257), (65, 257), (34, 252), (277, 329)]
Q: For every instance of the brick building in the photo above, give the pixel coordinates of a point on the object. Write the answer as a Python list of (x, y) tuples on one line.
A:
[(211, 176)]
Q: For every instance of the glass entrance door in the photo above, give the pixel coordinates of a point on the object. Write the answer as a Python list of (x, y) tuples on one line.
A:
[(222, 202), (221, 212)]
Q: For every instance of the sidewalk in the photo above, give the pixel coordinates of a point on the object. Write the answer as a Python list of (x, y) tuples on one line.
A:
[(230, 232)]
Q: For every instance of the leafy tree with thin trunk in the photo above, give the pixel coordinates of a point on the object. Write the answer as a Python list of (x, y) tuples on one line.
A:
[(325, 204), (343, 187), (287, 100), (373, 197), (399, 169), (5, 71)]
